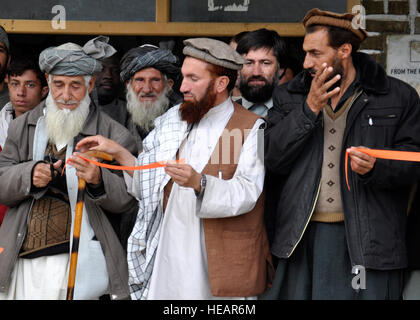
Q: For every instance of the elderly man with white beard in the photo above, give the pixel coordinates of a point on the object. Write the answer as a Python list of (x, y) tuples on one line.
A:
[(148, 74), (35, 237)]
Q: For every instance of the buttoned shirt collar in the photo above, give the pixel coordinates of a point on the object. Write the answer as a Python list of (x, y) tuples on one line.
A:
[(247, 104)]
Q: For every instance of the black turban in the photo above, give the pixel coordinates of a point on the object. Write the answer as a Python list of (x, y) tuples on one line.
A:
[(149, 56)]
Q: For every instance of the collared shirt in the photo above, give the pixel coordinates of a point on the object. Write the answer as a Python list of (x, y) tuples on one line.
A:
[(6, 115), (348, 93), (4, 96), (259, 108)]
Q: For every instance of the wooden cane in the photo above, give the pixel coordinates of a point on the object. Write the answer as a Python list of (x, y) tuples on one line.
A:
[(78, 224)]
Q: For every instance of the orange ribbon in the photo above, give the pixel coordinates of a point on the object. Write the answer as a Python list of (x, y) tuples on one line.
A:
[(154, 165), (384, 154)]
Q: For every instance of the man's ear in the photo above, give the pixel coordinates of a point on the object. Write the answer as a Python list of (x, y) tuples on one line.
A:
[(128, 82), (344, 51), (47, 77), (170, 83), (92, 83), (221, 83), (44, 92)]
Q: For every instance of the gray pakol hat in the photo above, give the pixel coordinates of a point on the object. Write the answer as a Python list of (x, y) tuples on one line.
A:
[(213, 51)]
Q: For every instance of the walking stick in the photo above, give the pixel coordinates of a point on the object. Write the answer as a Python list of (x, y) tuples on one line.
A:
[(78, 225)]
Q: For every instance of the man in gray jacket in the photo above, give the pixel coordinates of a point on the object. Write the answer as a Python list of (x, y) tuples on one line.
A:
[(35, 237)]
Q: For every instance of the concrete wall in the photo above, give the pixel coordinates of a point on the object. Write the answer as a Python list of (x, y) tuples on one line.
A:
[(389, 17), (393, 26)]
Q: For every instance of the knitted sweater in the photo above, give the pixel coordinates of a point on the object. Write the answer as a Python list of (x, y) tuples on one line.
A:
[(329, 207)]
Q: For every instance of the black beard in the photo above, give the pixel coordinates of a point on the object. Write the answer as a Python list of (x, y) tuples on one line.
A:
[(107, 96), (338, 69), (104, 99), (256, 94)]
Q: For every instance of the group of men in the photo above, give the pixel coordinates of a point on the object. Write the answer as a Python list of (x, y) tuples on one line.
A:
[(244, 195)]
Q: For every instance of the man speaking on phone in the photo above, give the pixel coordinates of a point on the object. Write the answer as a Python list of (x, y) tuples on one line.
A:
[(324, 231)]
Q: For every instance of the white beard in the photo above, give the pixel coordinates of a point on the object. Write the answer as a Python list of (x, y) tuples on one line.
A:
[(144, 113), (64, 124)]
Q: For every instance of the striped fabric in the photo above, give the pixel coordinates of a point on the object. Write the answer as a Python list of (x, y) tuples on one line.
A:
[(147, 56), (147, 186), (72, 60)]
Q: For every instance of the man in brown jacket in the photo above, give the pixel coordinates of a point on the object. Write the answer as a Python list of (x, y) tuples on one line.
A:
[(199, 233), (35, 237)]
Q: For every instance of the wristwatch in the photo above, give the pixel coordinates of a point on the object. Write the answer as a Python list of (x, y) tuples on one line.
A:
[(203, 183)]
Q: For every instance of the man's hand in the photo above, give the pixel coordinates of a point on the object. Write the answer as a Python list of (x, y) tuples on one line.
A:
[(184, 175), (99, 143), (318, 94), (41, 175), (360, 162), (86, 170)]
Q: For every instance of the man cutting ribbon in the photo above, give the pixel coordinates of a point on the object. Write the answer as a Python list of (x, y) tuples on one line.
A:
[(35, 235)]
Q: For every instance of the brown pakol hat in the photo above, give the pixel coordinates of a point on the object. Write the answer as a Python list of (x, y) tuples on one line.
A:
[(213, 51), (344, 21)]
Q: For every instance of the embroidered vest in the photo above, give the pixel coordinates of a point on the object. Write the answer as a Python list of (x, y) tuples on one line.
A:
[(49, 221)]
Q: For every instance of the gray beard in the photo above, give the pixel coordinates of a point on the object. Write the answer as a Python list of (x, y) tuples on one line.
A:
[(144, 113), (65, 124)]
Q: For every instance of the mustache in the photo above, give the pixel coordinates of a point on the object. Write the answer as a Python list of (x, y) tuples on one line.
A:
[(69, 102), (189, 94), (311, 71), (105, 83), (257, 78), (148, 95)]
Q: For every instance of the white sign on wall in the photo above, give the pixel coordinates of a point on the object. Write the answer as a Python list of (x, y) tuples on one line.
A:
[(229, 5), (403, 59)]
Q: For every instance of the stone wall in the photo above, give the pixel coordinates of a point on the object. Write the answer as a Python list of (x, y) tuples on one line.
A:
[(389, 17)]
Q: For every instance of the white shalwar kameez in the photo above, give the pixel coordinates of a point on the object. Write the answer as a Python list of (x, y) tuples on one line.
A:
[(180, 269), (43, 278)]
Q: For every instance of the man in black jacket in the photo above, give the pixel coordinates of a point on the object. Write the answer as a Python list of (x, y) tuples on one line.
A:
[(332, 242)]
